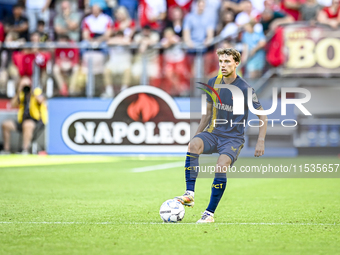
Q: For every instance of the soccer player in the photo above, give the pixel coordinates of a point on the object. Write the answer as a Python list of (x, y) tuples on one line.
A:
[(226, 139)]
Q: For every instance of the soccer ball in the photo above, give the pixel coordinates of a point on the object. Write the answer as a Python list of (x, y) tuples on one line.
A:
[(172, 211)]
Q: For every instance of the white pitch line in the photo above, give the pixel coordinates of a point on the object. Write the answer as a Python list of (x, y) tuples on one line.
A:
[(161, 223), (158, 167)]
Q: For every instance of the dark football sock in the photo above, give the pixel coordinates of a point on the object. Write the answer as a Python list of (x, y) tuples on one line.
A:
[(191, 162), (217, 190)]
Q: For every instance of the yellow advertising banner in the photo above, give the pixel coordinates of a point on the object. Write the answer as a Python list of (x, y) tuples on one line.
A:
[(311, 51)]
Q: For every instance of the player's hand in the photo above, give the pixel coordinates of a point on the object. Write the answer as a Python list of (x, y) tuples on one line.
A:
[(259, 149)]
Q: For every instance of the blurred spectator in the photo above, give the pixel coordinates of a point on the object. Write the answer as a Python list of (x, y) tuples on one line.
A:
[(234, 1), (330, 15), (24, 60), (123, 22), (175, 20), (118, 68), (17, 24), (234, 6), (240, 6), (66, 68), (325, 3), (271, 19), (7, 69), (227, 26), (258, 5), (37, 10), (131, 6), (92, 67), (67, 22), (248, 14), (32, 114), (2, 33), (175, 67), (97, 26), (105, 5), (211, 10), (41, 30), (253, 53), (198, 28), (6, 7), (274, 5), (146, 39), (310, 10), (3, 62), (152, 13), (292, 7), (184, 5)]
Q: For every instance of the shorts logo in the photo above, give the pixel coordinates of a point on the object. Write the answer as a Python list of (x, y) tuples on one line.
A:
[(233, 149)]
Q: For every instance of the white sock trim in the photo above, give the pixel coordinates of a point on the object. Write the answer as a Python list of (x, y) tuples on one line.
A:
[(191, 193), (210, 213)]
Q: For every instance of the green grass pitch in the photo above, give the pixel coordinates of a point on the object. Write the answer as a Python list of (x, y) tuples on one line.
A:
[(98, 205)]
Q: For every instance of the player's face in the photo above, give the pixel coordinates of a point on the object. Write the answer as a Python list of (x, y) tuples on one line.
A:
[(227, 65)]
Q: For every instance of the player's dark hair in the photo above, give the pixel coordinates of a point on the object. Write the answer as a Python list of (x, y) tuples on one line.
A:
[(230, 52)]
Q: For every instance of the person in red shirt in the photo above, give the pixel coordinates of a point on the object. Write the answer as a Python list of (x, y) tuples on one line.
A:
[(24, 60), (66, 67), (152, 13), (2, 33), (292, 7), (176, 71), (330, 15), (123, 22), (185, 5)]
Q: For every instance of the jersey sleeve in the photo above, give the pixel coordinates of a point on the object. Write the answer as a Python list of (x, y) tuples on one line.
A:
[(256, 103)]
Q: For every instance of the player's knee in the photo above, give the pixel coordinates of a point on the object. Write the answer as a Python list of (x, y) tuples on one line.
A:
[(222, 165), (195, 147)]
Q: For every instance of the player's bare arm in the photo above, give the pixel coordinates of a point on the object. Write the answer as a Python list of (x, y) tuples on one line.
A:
[(205, 119), (259, 148)]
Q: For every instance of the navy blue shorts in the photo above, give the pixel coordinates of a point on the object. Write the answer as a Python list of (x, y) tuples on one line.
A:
[(222, 145)]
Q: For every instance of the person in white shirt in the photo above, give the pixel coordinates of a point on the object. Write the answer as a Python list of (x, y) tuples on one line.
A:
[(37, 10), (97, 27), (227, 26), (248, 14)]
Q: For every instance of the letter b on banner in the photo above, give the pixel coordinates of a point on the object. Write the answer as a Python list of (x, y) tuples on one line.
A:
[(305, 53)]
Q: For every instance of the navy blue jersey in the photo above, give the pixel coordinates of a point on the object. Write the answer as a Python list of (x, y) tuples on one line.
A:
[(225, 111)]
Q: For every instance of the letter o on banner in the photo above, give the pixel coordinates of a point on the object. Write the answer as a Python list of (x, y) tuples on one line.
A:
[(176, 133), (322, 56), (131, 134)]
